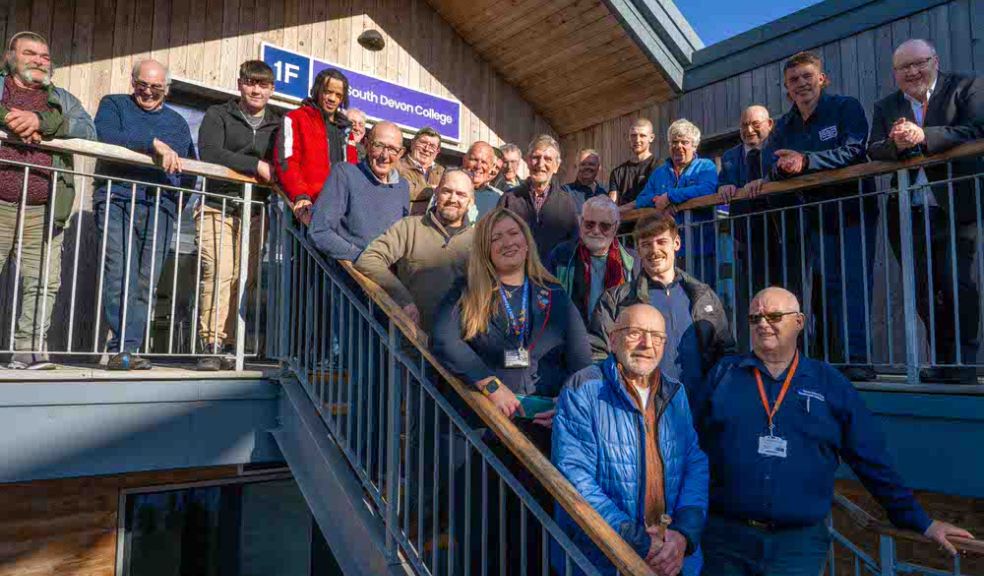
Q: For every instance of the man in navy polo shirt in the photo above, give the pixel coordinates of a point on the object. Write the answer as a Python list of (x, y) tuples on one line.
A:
[(775, 425), (824, 131)]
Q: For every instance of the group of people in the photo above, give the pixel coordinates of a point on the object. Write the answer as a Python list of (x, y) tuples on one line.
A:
[(612, 358)]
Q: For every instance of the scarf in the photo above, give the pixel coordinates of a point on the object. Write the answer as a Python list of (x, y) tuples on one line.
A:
[(614, 268)]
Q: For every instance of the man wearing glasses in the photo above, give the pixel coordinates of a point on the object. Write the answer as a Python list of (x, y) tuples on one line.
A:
[(420, 170), (775, 426), (697, 330), (360, 201), (929, 113), (596, 261), (239, 135), (624, 437), (134, 253)]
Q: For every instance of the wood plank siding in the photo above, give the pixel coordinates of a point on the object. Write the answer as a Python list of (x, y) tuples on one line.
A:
[(858, 65), (95, 42)]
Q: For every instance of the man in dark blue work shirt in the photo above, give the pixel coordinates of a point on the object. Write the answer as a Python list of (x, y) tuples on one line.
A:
[(774, 425), (824, 132), (697, 329)]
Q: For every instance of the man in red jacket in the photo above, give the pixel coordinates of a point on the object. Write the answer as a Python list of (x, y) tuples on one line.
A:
[(313, 137)]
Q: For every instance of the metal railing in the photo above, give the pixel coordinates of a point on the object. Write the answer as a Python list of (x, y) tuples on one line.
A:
[(884, 559), (125, 270), (886, 263)]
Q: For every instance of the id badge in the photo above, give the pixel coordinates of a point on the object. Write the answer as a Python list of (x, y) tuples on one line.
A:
[(772, 446), (519, 358)]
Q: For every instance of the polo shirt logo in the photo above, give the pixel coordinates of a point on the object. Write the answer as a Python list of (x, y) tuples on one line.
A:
[(828, 133), (811, 394), (708, 308)]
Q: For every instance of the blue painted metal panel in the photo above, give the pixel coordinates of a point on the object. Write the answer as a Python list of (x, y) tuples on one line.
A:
[(67, 429)]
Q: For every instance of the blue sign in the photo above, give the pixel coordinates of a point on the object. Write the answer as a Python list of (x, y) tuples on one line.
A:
[(378, 98)]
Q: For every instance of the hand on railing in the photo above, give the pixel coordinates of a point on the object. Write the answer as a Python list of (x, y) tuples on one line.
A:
[(941, 532)]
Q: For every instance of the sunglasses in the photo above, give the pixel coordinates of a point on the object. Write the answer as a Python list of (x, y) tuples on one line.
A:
[(156, 89), (603, 227), (770, 317)]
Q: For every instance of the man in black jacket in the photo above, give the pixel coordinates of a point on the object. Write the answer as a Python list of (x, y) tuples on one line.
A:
[(548, 209), (929, 113), (239, 135), (697, 330)]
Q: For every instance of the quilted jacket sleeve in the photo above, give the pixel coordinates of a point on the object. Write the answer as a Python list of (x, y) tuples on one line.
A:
[(691, 508)]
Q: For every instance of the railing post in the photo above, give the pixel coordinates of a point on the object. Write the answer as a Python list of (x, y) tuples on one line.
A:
[(688, 239), (286, 290), (908, 279), (242, 302), (886, 555), (393, 445)]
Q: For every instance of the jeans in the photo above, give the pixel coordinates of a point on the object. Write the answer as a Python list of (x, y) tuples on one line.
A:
[(733, 548), (134, 243)]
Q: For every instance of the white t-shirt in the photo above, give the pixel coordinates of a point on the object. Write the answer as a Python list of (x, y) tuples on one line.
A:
[(644, 394)]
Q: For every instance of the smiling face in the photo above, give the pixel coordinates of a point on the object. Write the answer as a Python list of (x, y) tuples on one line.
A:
[(598, 228), (544, 163), (478, 162), (255, 93), (640, 138), (424, 149), (804, 84), (916, 67), (332, 96), (453, 197), (756, 125), (150, 85), (638, 340), (658, 253), (384, 150), (508, 247), (358, 120), (779, 337), (682, 150), (587, 168), (510, 164)]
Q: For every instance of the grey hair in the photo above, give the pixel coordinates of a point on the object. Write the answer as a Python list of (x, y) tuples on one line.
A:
[(543, 141), (135, 72), (922, 41), (686, 128), (507, 148), (603, 202), (587, 152), (350, 111)]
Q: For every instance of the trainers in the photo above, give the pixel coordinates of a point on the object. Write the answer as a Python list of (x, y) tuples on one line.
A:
[(127, 361), (30, 362), (209, 364)]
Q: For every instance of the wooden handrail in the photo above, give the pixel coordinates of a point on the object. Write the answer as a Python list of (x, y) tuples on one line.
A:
[(865, 170), (871, 524), (102, 151)]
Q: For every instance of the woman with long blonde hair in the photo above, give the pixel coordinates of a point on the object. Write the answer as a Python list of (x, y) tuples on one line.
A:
[(511, 329)]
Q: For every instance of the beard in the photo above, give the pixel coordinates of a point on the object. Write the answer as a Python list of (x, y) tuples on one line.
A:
[(26, 76)]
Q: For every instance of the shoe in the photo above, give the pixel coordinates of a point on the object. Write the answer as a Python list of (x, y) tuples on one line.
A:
[(856, 373), (30, 362), (127, 361), (209, 364), (228, 362), (949, 375)]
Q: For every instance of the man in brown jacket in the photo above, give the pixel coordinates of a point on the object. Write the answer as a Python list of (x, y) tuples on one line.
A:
[(420, 168), (429, 252)]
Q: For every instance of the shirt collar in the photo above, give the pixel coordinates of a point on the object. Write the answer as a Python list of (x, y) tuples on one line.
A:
[(415, 164), (750, 360), (929, 93), (394, 175)]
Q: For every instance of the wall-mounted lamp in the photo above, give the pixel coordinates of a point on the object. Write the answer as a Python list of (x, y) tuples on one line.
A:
[(372, 40)]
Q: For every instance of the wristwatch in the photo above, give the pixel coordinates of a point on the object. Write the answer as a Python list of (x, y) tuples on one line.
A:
[(491, 387)]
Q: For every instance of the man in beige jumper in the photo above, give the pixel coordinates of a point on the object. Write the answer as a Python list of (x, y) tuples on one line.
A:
[(429, 251)]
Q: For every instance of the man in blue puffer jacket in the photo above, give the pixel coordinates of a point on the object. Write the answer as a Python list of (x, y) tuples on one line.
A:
[(624, 437)]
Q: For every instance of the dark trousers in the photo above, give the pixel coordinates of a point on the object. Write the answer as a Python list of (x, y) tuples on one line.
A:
[(134, 261), (935, 280), (733, 548)]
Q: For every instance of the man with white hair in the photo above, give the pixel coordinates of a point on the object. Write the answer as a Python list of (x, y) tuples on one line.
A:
[(547, 208), (32, 108), (933, 111), (141, 122), (585, 184), (357, 132), (682, 177), (774, 451), (596, 261)]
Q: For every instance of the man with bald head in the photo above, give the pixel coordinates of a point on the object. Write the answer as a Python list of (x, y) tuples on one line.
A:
[(775, 426), (141, 122), (623, 431), (746, 165), (360, 201), (933, 111), (480, 163), (429, 252)]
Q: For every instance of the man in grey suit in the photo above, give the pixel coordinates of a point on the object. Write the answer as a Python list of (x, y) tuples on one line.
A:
[(932, 112)]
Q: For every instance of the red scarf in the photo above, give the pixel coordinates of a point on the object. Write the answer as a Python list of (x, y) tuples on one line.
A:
[(614, 269)]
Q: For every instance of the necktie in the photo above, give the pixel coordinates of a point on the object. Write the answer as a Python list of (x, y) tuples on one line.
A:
[(754, 162), (925, 109)]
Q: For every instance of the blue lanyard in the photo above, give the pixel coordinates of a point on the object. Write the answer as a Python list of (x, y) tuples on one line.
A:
[(518, 326)]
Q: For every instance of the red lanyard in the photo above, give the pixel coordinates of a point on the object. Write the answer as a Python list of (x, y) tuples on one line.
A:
[(782, 393)]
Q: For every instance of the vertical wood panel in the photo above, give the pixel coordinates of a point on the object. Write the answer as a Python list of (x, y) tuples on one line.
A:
[(963, 50), (940, 34), (977, 34), (867, 74)]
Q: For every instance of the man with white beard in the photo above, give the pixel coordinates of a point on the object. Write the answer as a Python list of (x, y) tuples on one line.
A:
[(697, 329)]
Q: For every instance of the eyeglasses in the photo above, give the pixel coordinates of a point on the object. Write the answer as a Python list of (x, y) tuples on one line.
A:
[(635, 335), (390, 150), (253, 82), (157, 89), (426, 145), (770, 317), (914, 66), (603, 227)]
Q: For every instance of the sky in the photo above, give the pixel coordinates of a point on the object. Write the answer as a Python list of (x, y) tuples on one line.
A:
[(716, 20)]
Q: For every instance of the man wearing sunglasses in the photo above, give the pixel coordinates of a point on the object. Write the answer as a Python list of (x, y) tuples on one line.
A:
[(775, 426), (697, 329), (596, 261)]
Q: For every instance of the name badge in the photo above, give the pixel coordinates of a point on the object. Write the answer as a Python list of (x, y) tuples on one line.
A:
[(519, 358), (772, 446), (828, 133)]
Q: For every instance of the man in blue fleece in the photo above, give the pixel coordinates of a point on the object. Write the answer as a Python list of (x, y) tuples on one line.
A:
[(359, 202), (140, 223), (773, 452), (624, 438)]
